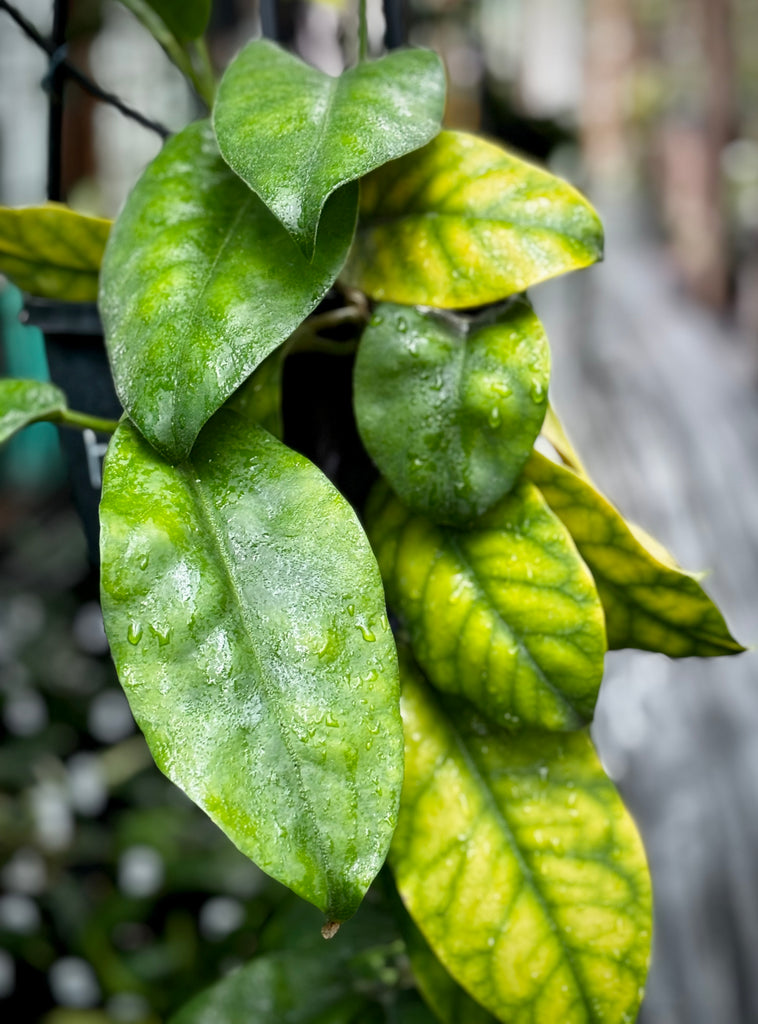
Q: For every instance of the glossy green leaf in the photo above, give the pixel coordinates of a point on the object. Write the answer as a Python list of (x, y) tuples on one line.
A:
[(259, 399), (246, 618), (200, 283), (23, 402), (280, 988), (463, 223), (295, 134), (449, 408), (649, 603), (52, 251), (518, 861), (504, 613)]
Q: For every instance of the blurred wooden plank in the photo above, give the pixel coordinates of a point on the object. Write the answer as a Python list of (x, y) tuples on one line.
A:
[(660, 398)]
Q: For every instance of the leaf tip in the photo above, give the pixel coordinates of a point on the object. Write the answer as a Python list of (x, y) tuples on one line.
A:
[(330, 929)]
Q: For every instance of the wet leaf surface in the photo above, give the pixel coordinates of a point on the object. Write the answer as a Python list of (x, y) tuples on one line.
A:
[(295, 134), (245, 615), (52, 251), (649, 603), (200, 283), (462, 223), (504, 613), (521, 866), (23, 402), (449, 408)]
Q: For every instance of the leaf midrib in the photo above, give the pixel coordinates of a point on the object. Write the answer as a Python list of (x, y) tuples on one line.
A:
[(483, 591), (207, 512), (177, 396), (490, 800), (372, 223)]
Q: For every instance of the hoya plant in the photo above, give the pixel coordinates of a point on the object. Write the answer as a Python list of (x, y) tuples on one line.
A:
[(328, 735)]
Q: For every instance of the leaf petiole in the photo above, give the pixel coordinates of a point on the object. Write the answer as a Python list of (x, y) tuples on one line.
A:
[(83, 421)]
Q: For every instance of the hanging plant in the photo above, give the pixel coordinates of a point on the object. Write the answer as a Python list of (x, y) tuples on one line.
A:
[(244, 598)]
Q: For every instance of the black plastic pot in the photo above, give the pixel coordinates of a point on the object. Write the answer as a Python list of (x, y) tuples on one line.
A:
[(79, 365)]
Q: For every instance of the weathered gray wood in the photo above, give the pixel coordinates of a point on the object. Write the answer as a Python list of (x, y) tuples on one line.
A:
[(661, 399)]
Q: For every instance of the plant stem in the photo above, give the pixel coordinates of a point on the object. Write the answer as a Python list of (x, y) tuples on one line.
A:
[(83, 421), (171, 45), (306, 337), (362, 32)]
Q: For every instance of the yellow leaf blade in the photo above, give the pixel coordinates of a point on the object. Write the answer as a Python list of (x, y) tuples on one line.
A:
[(52, 251)]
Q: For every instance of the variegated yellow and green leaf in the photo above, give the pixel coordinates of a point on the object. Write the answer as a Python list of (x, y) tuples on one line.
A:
[(245, 615), (462, 222), (449, 408), (23, 402), (451, 1004), (295, 134), (649, 602), (52, 251), (504, 612), (519, 863), (554, 432)]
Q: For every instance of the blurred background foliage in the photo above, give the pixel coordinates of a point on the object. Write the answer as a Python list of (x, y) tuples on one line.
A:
[(118, 899)]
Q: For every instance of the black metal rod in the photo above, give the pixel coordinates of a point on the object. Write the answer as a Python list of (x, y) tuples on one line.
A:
[(70, 70), (57, 78), (269, 19), (394, 20)]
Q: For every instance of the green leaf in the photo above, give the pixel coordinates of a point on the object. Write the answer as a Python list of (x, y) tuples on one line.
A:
[(518, 861), (185, 19), (464, 223), (449, 408), (259, 399), (246, 619), (504, 613), (295, 134), (649, 603), (52, 251), (200, 283), (280, 988), (23, 402)]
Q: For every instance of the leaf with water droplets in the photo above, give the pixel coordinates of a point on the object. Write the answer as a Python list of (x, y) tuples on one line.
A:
[(295, 134), (200, 283), (462, 222), (449, 408), (504, 612), (520, 865), (23, 402), (649, 602), (226, 582), (52, 251)]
